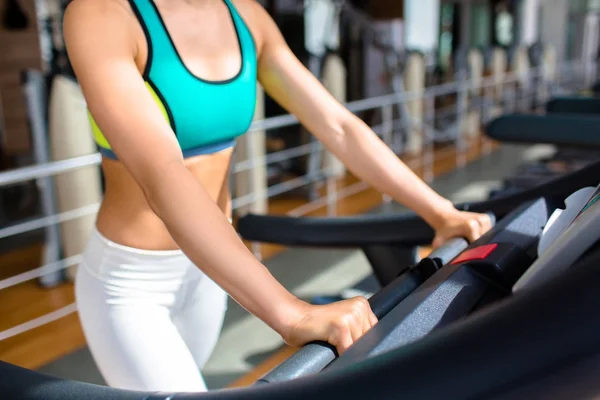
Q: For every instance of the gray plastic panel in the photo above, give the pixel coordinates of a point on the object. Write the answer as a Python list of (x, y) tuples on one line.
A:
[(529, 225), (562, 218), (566, 249), (450, 294)]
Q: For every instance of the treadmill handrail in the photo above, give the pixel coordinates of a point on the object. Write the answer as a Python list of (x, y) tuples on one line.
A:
[(576, 105), (527, 128), (352, 231), (405, 229), (313, 357), (513, 356)]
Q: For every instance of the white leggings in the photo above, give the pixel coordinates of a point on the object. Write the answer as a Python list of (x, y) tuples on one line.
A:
[(151, 318)]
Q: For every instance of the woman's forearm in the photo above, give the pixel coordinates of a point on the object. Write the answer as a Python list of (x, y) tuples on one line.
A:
[(205, 235), (370, 159)]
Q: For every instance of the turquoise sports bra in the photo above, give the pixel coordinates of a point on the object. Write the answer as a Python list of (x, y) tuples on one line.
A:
[(206, 116)]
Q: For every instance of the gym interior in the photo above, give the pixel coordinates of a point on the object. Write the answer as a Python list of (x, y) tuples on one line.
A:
[(494, 103)]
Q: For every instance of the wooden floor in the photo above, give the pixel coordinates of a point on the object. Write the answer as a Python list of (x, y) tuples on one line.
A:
[(27, 301)]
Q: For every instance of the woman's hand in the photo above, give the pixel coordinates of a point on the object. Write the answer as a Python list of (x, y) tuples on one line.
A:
[(464, 224), (340, 324)]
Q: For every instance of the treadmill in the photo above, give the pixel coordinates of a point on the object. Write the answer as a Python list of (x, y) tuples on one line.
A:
[(390, 242), (480, 276), (562, 114), (536, 340)]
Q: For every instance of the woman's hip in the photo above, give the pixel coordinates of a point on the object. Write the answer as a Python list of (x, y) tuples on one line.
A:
[(116, 274)]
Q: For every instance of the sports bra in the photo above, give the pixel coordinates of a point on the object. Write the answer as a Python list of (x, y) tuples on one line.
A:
[(206, 116)]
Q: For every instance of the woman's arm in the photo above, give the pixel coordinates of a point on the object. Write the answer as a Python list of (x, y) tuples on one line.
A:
[(349, 138), (102, 49)]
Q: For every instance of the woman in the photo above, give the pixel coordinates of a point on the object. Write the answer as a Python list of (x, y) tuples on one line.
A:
[(170, 84)]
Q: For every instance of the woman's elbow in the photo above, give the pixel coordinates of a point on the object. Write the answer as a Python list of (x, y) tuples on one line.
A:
[(159, 179), (347, 134)]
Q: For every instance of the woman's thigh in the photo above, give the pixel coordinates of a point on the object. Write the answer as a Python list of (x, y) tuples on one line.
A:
[(135, 345), (201, 317)]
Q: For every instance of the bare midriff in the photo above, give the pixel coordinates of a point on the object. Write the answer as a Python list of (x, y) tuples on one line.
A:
[(125, 216)]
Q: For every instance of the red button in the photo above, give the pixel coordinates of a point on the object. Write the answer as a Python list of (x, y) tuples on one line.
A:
[(478, 253)]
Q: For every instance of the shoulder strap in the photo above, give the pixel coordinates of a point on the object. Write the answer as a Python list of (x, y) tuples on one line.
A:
[(157, 35), (243, 31)]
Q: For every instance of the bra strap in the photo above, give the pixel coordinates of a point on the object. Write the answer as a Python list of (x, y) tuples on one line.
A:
[(157, 36), (243, 31)]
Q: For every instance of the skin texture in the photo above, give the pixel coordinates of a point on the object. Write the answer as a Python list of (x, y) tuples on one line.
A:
[(157, 200)]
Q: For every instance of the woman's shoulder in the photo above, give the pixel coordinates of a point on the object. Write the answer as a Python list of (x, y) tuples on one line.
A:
[(255, 16), (247, 5), (99, 21), (111, 13)]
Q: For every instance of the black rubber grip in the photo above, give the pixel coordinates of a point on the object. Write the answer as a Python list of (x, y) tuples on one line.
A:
[(355, 231), (402, 229), (313, 357), (566, 130), (574, 105)]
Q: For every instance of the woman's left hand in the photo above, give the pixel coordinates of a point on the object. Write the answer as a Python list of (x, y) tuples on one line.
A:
[(464, 224)]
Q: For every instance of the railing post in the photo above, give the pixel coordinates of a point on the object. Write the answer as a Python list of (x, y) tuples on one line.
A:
[(35, 93), (461, 116), (387, 113), (331, 183), (428, 138), (411, 112), (69, 114), (252, 147), (509, 94), (486, 115)]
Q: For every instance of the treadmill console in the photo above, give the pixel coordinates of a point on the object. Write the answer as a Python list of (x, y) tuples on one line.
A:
[(594, 198), (574, 231), (561, 219)]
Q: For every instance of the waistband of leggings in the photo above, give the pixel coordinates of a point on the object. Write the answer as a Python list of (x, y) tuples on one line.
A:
[(133, 250)]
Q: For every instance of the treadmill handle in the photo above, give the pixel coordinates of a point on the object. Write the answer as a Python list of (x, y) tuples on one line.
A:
[(315, 356), (449, 250)]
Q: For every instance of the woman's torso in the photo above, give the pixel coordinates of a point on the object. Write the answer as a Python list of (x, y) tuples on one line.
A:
[(210, 47)]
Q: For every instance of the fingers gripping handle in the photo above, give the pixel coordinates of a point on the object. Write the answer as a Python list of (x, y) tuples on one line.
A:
[(313, 357)]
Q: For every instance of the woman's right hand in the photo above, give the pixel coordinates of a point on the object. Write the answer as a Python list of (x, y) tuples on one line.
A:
[(340, 324)]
